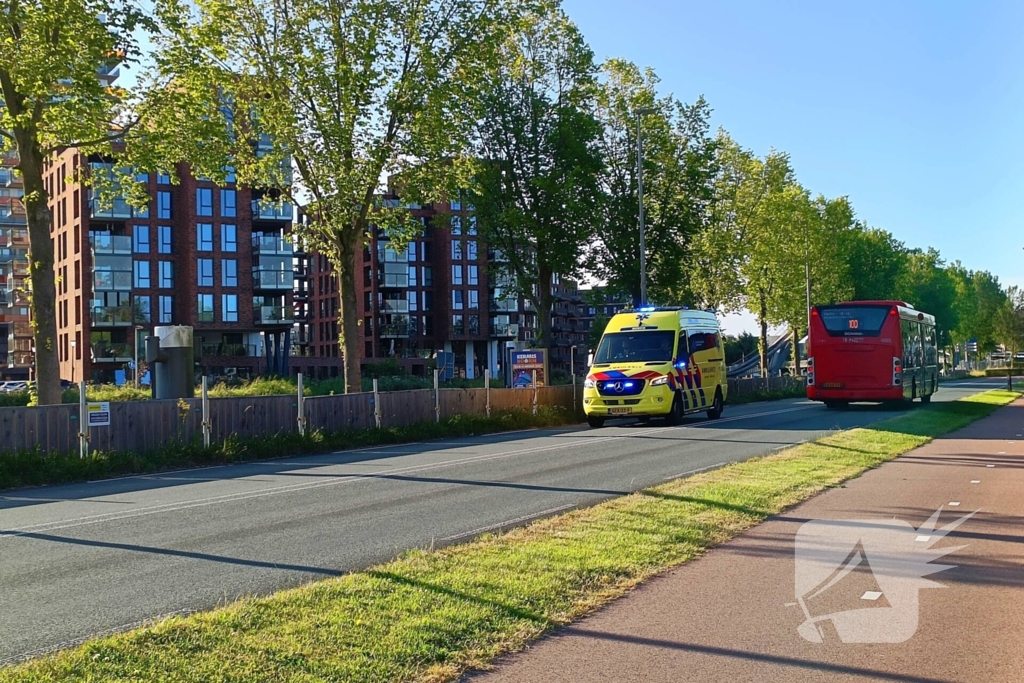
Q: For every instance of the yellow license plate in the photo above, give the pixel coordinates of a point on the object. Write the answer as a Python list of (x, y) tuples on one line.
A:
[(832, 385), (620, 411)]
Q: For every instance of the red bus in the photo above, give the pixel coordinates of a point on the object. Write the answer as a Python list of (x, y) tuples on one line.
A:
[(871, 351)]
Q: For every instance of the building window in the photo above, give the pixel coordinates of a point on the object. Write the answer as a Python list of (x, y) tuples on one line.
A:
[(205, 308), (458, 300), (142, 275), (163, 179), (413, 300), (458, 328), (166, 275), (474, 299), (204, 236), (166, 308), (412, 276), (163, 205), (428, 300), (164, 239), (204, 271), (204, 201), (456, 225), (471, 250), (229, 308), (428, 276), (229, 272), (229, 174), (227, 203), (474, 275), (474, 324), (456, 275), (228, 237), (471, 228), (140, 239), (412, 250), (141, 307), (456, 250)]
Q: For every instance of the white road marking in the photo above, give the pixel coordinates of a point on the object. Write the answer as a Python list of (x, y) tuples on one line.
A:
[(975, 481), (923, 539), (989, 465), (871, 595), (954, 504), (511, 522), (699, 469)]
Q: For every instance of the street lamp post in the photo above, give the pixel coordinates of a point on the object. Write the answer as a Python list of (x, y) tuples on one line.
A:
[(136, 340), (73, 345), (640, 113)]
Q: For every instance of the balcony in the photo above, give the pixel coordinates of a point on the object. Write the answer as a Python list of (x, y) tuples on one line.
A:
[(112, 280), (505, 305), (14, 238), (276, 280), (10, 179), (226, 350), (505, 331), (394, 331), (270, 211), (120, 245), (118, 209), (271, 245), (14, 299), (395, 306), (112, 316), (273, 315), (22, 330), (108, 351), (19, 359), (394, 280)]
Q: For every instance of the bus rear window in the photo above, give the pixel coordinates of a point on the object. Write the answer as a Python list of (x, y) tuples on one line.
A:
[(853, 321)]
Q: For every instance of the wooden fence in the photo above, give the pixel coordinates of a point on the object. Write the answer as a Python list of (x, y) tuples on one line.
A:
[(140, 426)]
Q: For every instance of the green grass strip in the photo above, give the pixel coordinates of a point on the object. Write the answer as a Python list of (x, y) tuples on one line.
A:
[(432, 615)]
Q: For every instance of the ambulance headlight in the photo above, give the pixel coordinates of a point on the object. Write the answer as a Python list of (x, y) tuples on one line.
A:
[(589, 383), (660, 381)]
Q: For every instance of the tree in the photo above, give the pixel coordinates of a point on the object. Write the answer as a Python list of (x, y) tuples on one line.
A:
[(927, 285), (1009, 326), (345, 93), (50, 58), (876, 263), (678, 156), (535, 190), (597, 328)]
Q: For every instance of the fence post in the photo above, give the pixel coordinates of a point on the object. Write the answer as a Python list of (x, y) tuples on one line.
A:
[(376, 404), (207, 423), (487, 390), (534, 392), (437, 395), (83, 422), (301, 404)]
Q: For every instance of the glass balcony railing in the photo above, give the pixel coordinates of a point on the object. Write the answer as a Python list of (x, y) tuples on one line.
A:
[(394, 280), (273, 279), (112, 316), (396, 306), (271, 244), (272, 315), (14, 238), (107, 351), (270, 211), (22, 329), (395, 330), (111, 244), (19, 359), (112, 280), (118, 208), (504, 331)]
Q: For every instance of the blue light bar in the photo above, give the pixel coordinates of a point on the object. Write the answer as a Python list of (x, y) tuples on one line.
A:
[(647, 309)]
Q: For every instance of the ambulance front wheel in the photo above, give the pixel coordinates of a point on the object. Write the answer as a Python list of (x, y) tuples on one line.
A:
[(595, 422)]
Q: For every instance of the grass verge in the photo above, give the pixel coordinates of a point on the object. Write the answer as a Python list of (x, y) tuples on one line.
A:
[(432, 615), (35, 468)]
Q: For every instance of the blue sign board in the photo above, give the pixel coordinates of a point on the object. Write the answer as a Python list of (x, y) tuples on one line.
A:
[(525, 364)]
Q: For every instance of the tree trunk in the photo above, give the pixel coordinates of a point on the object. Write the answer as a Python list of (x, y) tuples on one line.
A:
[(762, 319), (41, 273), (348, 315), (796, 352), (543, 305)]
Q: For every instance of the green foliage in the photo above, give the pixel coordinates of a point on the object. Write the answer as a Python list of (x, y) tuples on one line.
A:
[(535, 190), (738, 348), (597, 328), (927, 285), (1009, 321)]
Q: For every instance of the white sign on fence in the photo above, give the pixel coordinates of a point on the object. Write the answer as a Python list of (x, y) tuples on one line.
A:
[(99, 414)]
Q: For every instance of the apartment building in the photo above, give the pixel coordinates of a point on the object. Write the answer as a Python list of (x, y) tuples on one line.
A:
[(443, 290), (219, 259), (16, 341)]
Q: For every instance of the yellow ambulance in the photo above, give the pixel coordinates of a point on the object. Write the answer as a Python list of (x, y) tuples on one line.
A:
[(657, 362)]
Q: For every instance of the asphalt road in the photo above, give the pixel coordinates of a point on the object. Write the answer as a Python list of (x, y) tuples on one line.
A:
[(80, 560)]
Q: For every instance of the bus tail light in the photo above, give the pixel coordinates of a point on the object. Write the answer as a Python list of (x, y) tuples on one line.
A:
[(810, 372), (897, 372)]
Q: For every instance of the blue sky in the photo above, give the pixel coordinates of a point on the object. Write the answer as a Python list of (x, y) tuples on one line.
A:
[(915, 110)]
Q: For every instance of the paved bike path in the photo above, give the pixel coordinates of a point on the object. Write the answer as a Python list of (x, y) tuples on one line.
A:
[(732, 615)]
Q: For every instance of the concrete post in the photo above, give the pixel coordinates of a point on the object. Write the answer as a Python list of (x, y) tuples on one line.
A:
[(534, 392), (437, 395), (207, 423), (376, 404), (301, 403), (83, 422), (487, 391)]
